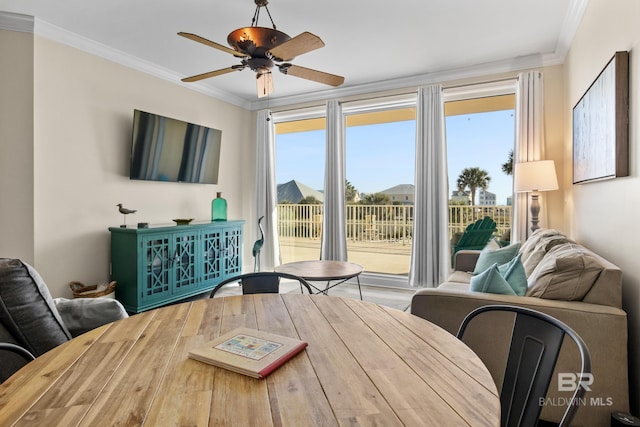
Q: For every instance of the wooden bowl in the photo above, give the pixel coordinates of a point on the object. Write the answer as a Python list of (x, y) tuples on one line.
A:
[(182, 221)]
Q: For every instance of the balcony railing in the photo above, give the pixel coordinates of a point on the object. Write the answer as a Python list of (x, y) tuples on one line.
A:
[(388, 223)]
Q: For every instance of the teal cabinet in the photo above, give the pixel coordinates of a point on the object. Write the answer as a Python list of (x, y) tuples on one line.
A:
[(159, 265)]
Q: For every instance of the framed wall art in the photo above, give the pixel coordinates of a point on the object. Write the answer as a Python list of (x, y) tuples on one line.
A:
[(601, 125)]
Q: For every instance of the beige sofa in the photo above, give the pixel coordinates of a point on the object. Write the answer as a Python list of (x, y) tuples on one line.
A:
[(570, 283)]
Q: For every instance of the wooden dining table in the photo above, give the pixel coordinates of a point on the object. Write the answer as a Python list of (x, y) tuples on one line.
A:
[(365, 364)]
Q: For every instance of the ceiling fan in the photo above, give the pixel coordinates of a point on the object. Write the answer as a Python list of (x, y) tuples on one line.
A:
[(261, 49)]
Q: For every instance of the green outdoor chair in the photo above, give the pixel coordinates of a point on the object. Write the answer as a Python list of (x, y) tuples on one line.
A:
[(475, 236)]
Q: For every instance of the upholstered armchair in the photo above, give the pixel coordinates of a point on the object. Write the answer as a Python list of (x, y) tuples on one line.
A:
[(32, 319)]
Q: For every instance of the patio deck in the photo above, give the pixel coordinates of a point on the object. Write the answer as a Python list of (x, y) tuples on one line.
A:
[(376, 256)]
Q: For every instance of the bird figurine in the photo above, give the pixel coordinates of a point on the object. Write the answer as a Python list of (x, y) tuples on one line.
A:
[(257, 246), (124, 211)]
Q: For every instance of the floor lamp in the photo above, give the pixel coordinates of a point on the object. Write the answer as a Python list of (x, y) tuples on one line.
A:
[(533, 177)]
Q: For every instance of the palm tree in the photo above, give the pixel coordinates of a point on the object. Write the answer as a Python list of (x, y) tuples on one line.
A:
[(349, 191), (507, 167), (375, 199), (473, 178)]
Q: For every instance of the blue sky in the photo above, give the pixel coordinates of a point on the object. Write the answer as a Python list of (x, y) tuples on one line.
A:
[(482, 140), (382, 156)]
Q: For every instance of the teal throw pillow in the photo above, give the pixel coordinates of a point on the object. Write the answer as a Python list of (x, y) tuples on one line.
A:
[(513, 272), (490, 281), (497, 256)]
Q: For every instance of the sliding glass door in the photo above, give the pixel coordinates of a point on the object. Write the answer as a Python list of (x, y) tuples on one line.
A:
[(380, 158), (300, 164), (480, 142), (380, 162)]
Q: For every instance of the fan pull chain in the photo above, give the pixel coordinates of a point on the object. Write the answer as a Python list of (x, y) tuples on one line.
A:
[(268, 110)]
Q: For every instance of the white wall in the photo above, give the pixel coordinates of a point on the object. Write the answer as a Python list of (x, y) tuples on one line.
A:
[(83, 111), (602, 215), (554, 120), (16, 148)]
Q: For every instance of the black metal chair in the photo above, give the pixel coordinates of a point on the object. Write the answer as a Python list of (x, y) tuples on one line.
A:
[(265, 282), (535, 344), (11, 364)]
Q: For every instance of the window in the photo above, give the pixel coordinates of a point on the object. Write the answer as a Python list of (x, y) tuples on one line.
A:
[(300, 154), (380, 158), (380, 162), (480, 141)]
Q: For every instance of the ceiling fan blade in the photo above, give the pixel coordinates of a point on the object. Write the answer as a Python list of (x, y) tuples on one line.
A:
[(309, 74), (302, 43), (212, 74), (214, 45)]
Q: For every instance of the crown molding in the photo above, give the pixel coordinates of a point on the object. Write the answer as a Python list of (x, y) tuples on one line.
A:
[(411, 82), (16, 22), (60, 35), (570, 25)]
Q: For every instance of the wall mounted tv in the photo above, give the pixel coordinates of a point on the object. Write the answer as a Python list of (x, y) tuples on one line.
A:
[(166, 149)]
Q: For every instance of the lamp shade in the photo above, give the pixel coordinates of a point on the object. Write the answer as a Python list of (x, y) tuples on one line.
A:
[(535, 176)]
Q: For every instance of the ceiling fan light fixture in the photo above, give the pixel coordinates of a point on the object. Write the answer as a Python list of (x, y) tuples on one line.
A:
[(256, 40), (264, 82)]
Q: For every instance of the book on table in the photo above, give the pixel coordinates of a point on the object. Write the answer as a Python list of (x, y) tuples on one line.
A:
[(249, 351)]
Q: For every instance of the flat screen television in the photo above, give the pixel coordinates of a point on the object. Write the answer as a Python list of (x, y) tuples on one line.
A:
[(166, 149)]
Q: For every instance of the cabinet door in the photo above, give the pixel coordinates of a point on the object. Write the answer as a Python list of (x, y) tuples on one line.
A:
[(212, 243), (155, 271), (222, 255), (232, 253), (184, 262)]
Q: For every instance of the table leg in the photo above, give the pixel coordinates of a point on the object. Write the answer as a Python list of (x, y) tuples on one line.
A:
[(328, 286)]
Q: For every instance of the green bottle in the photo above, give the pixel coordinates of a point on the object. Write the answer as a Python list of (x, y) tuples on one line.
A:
[(218, 208)]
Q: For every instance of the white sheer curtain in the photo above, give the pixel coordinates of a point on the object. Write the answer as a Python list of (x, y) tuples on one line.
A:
[(430, 255), (334, 237), (266, 192), (529, 144)]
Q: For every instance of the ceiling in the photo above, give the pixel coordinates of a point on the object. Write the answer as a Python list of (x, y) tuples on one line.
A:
[(375, 45)]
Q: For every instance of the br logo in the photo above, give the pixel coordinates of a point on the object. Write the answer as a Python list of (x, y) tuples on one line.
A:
[(568, 381)]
